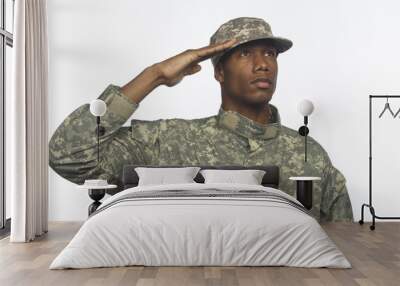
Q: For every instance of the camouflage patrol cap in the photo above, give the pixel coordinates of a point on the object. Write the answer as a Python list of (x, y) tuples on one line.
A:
[(246, 29)]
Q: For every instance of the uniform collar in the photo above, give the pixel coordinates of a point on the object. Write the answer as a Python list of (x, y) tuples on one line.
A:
[(248, 128)]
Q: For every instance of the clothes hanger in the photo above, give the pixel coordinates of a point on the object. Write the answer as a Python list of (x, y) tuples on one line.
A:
[(398, 111), (387, 106)]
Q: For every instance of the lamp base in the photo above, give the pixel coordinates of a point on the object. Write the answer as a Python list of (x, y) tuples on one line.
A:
[(101, 130), (303, 130)]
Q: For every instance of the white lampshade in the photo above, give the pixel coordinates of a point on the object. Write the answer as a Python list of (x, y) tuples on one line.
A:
[(305, 107), (98, 107)]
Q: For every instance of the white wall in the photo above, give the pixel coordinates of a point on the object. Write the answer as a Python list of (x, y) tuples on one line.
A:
[(343, 51)]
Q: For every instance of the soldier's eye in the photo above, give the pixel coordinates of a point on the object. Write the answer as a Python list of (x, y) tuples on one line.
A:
[(244, 53), (270, 53)]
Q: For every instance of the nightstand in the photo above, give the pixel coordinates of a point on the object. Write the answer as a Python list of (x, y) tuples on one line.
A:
[(304, 190), (96, 193)]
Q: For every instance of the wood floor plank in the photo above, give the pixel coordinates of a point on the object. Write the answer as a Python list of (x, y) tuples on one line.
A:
[(374, 255)]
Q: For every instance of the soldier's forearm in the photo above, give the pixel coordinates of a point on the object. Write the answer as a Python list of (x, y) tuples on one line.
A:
[(143, 84)]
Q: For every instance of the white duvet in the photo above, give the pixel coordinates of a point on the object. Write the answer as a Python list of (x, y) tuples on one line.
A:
[(182, 231)]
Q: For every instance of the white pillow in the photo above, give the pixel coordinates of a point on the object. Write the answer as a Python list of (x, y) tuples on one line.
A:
[(162, 176), (249, 177)]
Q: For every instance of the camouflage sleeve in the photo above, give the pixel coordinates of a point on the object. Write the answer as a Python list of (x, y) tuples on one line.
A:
[(335, 201), (73, 146)]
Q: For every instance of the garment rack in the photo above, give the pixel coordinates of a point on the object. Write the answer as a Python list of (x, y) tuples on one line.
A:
[(369, 205)]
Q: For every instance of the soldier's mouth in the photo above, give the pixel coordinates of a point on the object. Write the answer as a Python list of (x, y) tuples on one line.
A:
[(262, 82)]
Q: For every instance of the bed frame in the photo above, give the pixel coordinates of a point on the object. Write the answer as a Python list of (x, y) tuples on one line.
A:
[(271, 178)]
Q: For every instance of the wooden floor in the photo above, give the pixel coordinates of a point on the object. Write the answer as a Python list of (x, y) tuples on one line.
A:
[(374, 255)]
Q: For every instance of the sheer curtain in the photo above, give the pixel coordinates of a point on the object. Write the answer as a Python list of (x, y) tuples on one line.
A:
[(28, 148)]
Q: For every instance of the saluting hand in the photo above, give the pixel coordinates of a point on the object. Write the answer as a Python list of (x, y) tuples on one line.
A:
[(171, 71), (174, 69)]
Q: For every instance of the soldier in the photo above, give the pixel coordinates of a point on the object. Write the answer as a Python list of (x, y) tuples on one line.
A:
[(246, 131)]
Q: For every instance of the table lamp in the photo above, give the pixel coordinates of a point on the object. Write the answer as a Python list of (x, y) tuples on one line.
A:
[(98, 108)]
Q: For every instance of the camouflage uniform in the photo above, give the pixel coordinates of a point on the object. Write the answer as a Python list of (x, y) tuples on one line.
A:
[(224, 139)]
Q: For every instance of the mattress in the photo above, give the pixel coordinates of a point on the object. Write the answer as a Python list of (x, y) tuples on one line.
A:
[(201, 225)]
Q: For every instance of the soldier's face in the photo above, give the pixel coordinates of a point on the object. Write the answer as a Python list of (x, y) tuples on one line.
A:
[(248, 72)]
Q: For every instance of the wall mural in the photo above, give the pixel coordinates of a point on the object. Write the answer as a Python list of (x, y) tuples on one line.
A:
[(246, 131)]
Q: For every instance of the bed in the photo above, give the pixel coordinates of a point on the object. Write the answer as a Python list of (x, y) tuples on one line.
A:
[(201, 224)]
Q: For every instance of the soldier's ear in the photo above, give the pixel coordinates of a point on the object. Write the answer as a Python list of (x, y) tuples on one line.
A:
[(219, 72)]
